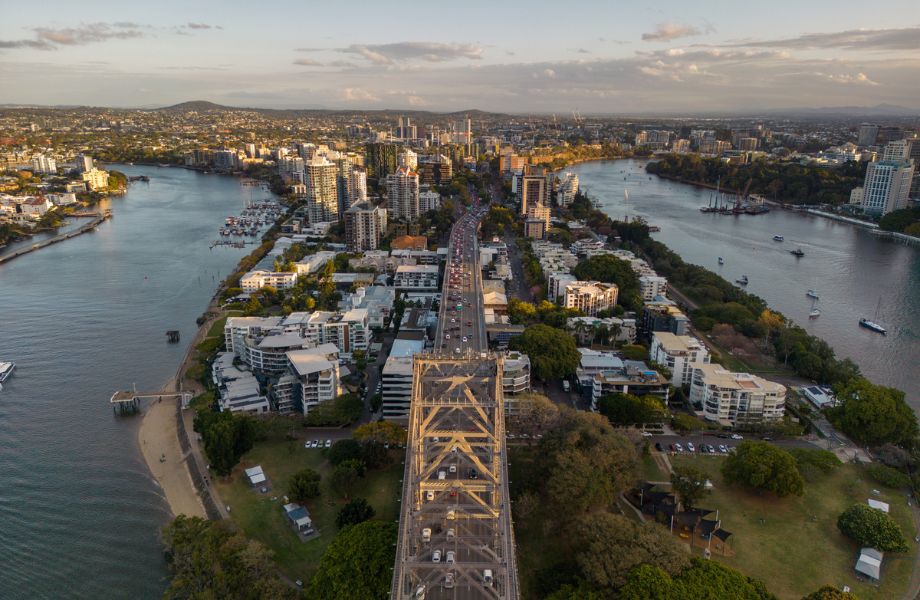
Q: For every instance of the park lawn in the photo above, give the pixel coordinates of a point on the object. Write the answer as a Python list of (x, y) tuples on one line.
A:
[(650, 471), (262, 518), (798, 548)]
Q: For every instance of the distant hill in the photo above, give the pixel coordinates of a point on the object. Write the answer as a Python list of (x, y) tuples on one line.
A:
[(195, 106), (879, 110)]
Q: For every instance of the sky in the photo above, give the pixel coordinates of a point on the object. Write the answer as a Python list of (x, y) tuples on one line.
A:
[(594, 57)]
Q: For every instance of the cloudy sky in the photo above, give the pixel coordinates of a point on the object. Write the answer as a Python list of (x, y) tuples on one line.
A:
[(535, 56)]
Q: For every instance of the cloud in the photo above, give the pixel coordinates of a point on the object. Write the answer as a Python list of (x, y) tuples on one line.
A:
[(202, 26), (906, 38), (858, 79), (88, 34), (416, 100), (665, 32), (308, 62), (351, 94), (389, 54), (36, 44), (582, 51), (309, 49)]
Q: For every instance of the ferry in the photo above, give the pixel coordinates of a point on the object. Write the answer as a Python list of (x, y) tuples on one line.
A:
[(797, 253), (778, 238), (6, 369), (872, 326)]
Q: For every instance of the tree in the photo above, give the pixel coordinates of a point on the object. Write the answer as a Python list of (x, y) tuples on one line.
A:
[(357, 564), (765, 467), (703, 580), (829, 592), (812, 462), (887, 476), (354, 512), (344, 410), (345, 476), (871, 527), (226, 438), (689, 483), (635, 352), (610, 269), (304, 484), (343, 450), (875, 414), (535, 414), (610, 546), (626, 409), (385, 432), (552, 352), (210, 560)]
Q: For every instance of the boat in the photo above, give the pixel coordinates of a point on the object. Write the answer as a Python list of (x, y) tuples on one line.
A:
[(812, 294), (721, 261), (6, 369), (815, 312), (872, 325), (743, 280), (778, 238), (797, 253)]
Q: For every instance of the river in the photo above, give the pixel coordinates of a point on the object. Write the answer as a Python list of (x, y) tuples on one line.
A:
[(853, 271), (79, 511)]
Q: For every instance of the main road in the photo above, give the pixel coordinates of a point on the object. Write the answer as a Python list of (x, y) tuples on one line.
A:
[(455, 537)]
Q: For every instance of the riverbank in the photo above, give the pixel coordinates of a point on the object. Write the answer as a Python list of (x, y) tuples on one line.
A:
[(91, 226)]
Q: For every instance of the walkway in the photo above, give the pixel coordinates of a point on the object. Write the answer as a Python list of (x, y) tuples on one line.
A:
[(58, 238)]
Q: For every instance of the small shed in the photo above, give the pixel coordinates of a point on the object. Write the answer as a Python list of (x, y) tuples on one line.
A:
[(299, 517), (255, 475), (878, 505), (870, 563)]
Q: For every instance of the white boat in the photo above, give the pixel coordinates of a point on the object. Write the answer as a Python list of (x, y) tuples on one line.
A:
[(815, 312), (721, 261), (872, 325), (778, 238), (812, 294), (6, 369)]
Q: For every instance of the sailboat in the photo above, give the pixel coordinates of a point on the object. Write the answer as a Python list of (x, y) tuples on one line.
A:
[(872, 325), (815, 313)]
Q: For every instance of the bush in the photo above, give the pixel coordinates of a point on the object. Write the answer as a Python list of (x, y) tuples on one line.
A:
[(812, 462), (887, 476), (344, 450), (873, 528), (304, 484), (354, 512), (344, 410), (765, 467)]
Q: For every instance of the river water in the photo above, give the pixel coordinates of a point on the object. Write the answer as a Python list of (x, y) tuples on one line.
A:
[(854, 272), (79, 511)]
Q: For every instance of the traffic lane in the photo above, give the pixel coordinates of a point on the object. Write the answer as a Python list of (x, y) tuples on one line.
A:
[(715, 440)]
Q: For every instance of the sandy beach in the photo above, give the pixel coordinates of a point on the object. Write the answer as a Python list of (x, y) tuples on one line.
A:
[(158, 439)]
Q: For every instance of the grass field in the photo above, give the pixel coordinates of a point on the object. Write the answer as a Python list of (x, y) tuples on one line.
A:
[(797, 548), (262, 518)]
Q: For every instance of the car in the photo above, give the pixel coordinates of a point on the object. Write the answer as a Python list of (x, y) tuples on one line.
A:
[(329, 443), (658, 447), (446, 336), (457, 350), (678, 447), (464, 338), (704, 449), (646, 434), (690, 447), (450, 556), (430, 496), (451, 534), (314, 443), (306, 444), (426, 534), (473, 474), (453, 468), (671, 447), (723, 448), (735, 436), (724, 436), (436, 556), (448, 579), (453, 493)]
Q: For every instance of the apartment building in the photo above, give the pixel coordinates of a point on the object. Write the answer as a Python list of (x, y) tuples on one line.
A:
[(256, 280), (735, 398), (365, 225), (681, 354), (416, 277), (651, 286), (590, 297), (313, 377), (403, 194), (515, 379)]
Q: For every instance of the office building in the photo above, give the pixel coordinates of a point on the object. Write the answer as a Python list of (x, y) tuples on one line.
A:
[(735, 398), (887, 186), (867, 135), (408, 159), (403, 194), (406, 130), (680, 354), (365, 225), (322, 189)]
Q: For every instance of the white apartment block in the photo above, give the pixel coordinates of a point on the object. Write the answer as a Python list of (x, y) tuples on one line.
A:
[(96, 179), (313, 378), (320, 177), (403, 194), (556, 282), (887, 186), (651, 286), (238, 329), (256, 280), (590, 297), (736, 398), (377, 299), (515, 379), (365, 225), (428, 200), (679, 353), (416, 277), (568, 188), (313, 263), (44, 164), (349, 331)]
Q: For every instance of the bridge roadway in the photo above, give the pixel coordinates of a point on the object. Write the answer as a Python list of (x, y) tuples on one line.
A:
[(456, 539)]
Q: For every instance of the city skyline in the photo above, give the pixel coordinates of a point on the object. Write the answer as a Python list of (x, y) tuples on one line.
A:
[(591, 58)]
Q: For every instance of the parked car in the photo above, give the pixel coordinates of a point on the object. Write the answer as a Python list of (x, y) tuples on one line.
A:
[(723, 448), (329, 443), (690, 447), (735, 436), (436, 556)]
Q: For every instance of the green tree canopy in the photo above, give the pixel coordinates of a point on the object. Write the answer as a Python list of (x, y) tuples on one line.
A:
[(610, 269), (355, 511), (226, 438), (385, 432), (765, 467), (210, 560), (871, 527), (626, 409), (303, 485), (553, 353), (342, 450), (358, 563), (875, 414), (689, 483), (829, 592), (703, 580), (345, 476)]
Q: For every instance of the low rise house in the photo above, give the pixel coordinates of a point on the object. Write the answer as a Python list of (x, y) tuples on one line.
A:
[(299, 518)]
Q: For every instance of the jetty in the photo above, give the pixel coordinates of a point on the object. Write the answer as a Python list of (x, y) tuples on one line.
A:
[(97, 220), (126, 402)]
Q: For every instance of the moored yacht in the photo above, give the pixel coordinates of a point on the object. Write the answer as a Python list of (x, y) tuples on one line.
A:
[(6, 369)]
